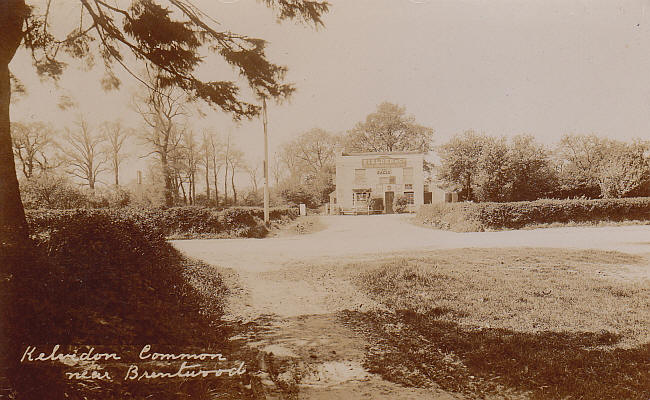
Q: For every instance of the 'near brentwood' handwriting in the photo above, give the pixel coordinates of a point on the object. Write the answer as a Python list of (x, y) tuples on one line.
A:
[(134, 372)]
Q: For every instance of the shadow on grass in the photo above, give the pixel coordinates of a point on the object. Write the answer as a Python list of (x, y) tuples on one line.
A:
[(420, 350)]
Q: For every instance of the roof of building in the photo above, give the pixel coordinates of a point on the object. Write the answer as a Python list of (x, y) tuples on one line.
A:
[(381, 153)]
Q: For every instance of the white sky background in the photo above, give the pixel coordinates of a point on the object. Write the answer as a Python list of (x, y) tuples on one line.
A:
[(502, 67)]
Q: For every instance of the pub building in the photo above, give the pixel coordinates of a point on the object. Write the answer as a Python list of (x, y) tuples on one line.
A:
[(372, 182)]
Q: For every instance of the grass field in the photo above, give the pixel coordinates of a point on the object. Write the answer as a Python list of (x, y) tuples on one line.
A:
[(535, 323)]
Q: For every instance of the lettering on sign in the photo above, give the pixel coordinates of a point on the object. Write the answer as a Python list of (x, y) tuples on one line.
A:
[(383, 162), (384, 171)]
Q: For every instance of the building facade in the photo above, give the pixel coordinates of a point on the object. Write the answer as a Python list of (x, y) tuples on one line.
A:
[(375, 181)]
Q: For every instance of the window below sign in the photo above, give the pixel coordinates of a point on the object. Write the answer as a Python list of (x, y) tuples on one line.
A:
[(360, 198), (410, 197), (408, 186)]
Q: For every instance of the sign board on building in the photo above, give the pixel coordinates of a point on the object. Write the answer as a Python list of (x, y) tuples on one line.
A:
[(383, 162)]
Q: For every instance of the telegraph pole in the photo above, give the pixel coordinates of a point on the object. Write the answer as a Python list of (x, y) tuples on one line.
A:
[(266, 163)]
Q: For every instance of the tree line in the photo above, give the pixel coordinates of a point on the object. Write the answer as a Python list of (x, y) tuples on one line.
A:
[(490, 168), (478, 166)]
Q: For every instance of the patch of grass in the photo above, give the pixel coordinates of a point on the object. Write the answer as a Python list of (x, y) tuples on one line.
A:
[(422, 350), (301, 226), (536, 321)]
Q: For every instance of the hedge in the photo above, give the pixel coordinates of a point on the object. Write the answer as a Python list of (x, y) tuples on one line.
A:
[(480, 216), (171, 222)]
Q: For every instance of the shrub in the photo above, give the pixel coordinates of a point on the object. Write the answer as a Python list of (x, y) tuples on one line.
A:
[(184, 222), (480, 216), (401, 204), (97, 278), (51, 191), (300, 194), (100, 277)]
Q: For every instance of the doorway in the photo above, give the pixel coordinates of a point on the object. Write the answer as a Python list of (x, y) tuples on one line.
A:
[(388, 201)]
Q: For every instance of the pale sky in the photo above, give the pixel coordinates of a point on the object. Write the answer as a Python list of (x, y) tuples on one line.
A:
[(502, 67)]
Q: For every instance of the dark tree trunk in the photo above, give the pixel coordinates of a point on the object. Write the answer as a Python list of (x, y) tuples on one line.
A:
[(184, 195), (216, 186), (225, 185), (169, 198), (207, 180), (13, 227), (232, 183), (193, 183), (116, 170)]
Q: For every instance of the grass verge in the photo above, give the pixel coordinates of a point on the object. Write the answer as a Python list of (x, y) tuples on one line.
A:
[(538, 323)]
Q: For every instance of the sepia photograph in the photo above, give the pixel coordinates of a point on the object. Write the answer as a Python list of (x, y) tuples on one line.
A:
[(324, 199)]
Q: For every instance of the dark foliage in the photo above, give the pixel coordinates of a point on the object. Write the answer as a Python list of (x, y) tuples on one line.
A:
[(103, 279), (180, 222)]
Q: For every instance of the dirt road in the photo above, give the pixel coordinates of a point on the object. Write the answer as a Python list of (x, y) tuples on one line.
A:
[(298, 312), (347, 236)]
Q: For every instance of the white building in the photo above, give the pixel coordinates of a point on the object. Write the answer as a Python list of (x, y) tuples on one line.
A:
[(375, 181)]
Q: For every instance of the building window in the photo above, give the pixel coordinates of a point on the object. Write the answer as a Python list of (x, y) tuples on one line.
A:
[(410, 197), (408, 175), (359, 176), (392, 180), (408, 186), (360, 198)]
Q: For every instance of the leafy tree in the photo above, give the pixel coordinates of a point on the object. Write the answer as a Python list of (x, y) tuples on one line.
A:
[(31, 143), (172, 37), (531, 169), (495, 169), (389, 129), (626, 170), (311, 160), (459, 161), (494, 178), (581, 158)]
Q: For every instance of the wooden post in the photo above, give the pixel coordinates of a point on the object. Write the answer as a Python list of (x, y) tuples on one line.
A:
[(266, 163)]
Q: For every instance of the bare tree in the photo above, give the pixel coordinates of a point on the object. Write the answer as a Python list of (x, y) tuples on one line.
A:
[(191, 161), (235, 160), (30, 144), (162, 109), (115, 135), (83, 153), (276, 168), (206, 155), (226, 158), (253, 171), (215, 147)]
